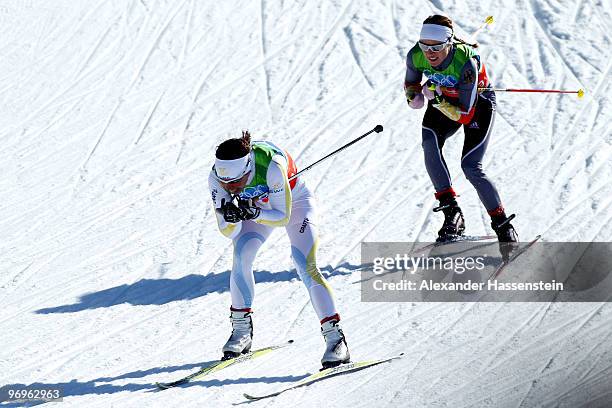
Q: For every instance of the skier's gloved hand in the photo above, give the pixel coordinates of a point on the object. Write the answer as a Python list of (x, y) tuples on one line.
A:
[(506, 249), (417, 102), (432, 91), (231, 213), (414, 97), (248, 209)]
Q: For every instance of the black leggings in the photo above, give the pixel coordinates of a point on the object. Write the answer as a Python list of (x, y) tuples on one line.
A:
[(437, 128)]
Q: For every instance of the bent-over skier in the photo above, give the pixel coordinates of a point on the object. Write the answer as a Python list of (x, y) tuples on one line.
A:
[(252, 194)]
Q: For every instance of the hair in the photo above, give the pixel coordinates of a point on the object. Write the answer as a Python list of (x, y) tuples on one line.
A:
[(447, 22), (234, 148)]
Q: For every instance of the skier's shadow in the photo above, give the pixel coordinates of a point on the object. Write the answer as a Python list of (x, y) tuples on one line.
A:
[(104, 385), (162, 291)]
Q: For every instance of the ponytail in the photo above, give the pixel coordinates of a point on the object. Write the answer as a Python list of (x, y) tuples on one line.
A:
[(234, 148), (459, 40)]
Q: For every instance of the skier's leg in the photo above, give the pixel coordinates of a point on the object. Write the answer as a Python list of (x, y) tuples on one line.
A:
[(242, 283), (303, 234), (477, 136), (246, 245), (436, 129)]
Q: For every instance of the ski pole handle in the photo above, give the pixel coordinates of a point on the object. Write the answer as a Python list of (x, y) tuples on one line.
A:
[(579, 92), (377, 129)]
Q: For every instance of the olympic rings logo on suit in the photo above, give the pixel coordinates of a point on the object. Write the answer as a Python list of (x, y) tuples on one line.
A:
[(254, 192), (441, 79)]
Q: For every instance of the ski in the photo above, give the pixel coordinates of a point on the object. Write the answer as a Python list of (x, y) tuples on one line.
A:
[(460, 238), (221, 364), (518, 253), (324, 374)]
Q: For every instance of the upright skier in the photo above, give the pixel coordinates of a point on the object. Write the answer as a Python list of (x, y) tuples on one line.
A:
[(455, 73), (252, 194)]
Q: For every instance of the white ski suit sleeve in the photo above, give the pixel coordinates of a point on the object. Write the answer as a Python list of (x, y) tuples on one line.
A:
[(218, 193)]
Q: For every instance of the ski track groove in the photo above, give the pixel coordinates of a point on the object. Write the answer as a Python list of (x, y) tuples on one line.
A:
[(329, 123), (87, 263), (24, 150), (564, 334), (561, 142), (371, 203), (94, 50), (316, 52), (348, 34), (147, 118), (179, 65), (532, 7), (154, 44), (263, 50), (604, 225), (242, 75), (560, 348), (194, 104), (16, 277), (466, 308), (295, 319), (585, 376), (52, 102), (488, 366), (392, 8), (82, 344), (101, 135), (118, 209), (583, 112), (188, 29)]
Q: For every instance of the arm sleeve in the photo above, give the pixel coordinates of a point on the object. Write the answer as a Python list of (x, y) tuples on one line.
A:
[(413, 76), (468, 85), (218, 194), (412, 80), (279, 195)]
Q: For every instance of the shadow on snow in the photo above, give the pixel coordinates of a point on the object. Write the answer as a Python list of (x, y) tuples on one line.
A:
[(162, 291), (100, 386)]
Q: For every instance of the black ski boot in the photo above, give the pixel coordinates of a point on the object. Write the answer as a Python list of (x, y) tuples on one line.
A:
[(454, 224), (506, 235)]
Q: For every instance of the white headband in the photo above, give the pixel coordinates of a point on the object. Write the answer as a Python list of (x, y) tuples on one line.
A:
[(435, 32), (232, 169)]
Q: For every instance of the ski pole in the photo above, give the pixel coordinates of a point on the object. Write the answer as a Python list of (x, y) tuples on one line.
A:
[(377, 129), (488, 21), (580, 92)]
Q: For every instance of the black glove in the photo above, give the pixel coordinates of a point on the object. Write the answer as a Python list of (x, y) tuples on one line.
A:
[(231, 213), (507, 249), (249, 211)]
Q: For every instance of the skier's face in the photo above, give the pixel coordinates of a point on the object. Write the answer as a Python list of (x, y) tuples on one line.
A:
[(237, 186), (434, 58)]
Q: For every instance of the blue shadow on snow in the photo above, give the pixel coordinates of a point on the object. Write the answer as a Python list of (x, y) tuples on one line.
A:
[(162, 291), (100, 386)]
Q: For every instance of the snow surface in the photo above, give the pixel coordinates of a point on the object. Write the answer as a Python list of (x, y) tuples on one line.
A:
[(114, 275)]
